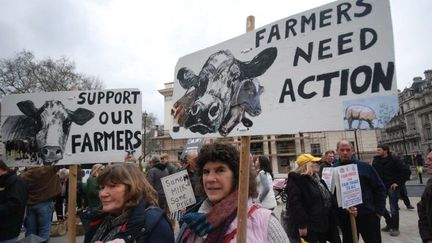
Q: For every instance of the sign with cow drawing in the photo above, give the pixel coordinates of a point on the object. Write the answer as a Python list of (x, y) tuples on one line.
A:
[(72, 127), (294, 75)]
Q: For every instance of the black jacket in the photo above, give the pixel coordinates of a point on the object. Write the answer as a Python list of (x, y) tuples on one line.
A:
[(305, 207), (424, 210), (391, 170), (145, 224), (13, 199)]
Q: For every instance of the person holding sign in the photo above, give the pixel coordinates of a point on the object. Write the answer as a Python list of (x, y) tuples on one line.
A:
[(214, 219), (311, 209), (369, 212), (129, 206)]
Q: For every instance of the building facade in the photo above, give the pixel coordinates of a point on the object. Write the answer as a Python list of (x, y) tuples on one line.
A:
[(281, 149), (410, 130)]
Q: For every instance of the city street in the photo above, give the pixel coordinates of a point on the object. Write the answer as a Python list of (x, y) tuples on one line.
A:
[(408, 218)]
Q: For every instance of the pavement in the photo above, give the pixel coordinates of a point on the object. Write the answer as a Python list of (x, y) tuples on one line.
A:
[(408, 218)]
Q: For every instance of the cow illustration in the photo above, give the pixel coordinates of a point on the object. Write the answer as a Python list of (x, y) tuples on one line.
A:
[(359, 113), (41, 133), (226, 88)]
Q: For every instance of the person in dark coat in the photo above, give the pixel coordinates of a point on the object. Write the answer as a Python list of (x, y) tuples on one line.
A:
[(393, 173), (311, 209), (129, 209), (424, 207), (368, 213), (13, 199), (154, 176)]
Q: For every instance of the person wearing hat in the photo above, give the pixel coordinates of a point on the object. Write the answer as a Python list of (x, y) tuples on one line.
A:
[(215, 218), (311, 209), (13, 199)]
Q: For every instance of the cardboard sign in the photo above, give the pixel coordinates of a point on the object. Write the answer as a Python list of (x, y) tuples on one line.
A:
[(347, 182), (178, 190), (328, 62), (72, 127), (327, 177)]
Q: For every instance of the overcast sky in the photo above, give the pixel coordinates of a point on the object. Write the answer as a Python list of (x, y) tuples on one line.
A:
[(136, 43)]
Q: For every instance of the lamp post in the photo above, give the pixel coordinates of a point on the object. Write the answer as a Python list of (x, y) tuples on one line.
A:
[(144, 139)]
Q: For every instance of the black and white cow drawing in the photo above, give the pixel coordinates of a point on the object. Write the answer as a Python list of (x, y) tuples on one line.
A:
[(360, 113), (41, 133), (217, 98)]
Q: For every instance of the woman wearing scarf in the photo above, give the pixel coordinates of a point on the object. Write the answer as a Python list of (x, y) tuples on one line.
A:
[(214, 219), (310, 208), (129, 209)]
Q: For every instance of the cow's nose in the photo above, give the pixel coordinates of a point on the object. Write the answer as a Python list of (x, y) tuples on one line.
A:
[(52, 153)]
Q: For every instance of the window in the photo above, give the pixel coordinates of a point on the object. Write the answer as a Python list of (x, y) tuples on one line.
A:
[(285, 147), (316, 149), (257, 148)]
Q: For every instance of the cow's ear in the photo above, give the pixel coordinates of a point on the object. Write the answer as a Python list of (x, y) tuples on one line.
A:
[(27, 108), (187, 78), (259, 64), (80, 116)]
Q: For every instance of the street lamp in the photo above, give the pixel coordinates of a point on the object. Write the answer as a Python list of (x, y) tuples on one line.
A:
[(144, 139)]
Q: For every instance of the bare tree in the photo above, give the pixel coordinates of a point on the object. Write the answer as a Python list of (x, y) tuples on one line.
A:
[(24, 74)]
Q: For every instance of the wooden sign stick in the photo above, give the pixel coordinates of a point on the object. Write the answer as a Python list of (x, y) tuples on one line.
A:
[(72, 194)]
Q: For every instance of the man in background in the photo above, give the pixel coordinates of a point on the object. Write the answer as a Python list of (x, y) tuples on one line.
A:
[(393, 173), (326, 161)]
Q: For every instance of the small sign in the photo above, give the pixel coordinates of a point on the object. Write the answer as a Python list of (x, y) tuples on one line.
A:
[(347, 183), (178, 190), (327, 177)]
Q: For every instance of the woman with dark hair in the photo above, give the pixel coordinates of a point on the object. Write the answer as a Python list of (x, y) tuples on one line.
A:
[(264, 179), (129, 206), (214, 219)]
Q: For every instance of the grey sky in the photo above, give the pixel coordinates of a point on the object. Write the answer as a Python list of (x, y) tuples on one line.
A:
[(136, 44)]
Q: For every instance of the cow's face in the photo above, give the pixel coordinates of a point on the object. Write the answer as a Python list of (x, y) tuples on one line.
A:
[(207, 112), (53, 123), (215, 87)]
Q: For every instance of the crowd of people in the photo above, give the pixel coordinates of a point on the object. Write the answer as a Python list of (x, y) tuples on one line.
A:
[(120, 202)]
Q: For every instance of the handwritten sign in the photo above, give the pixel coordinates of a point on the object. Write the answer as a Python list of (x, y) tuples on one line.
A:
[(178, 190), (348, 188)]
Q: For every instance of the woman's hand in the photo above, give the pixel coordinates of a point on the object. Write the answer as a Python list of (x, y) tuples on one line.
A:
[(352, 210), (303, 232)]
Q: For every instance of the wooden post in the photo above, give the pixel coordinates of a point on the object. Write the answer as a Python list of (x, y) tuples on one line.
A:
[(353, 228), (243, 190), (71, 220)]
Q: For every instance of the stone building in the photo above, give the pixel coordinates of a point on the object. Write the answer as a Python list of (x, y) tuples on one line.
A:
[(410, 130), (281, 149)]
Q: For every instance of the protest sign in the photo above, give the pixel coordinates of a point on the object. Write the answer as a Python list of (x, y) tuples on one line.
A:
[(193, 144), (328, 62), (327, 177), (347, 182), (71, 127), (178, 190)]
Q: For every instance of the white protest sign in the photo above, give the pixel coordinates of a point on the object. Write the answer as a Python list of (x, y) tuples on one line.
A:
[(178, 190), (336, 62), (327, 177), (348, 187), (71, 127)]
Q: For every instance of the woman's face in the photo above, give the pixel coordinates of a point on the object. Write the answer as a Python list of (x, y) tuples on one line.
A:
[(257, 164), (113, 197), (218, 180)]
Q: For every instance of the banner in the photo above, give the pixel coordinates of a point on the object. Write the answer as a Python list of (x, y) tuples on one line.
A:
[(73, 127), (334, 63)]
